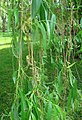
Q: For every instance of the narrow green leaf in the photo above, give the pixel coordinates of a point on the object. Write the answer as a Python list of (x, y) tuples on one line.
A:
[(81, 23), (49, 111), (52, 25), (35, 7), (14, 77), (16, 15), (23, 105), (71, 65), (43, 32), (9, 18), (52, 60), (14, 113), (48, 31), (33, 116), (60, 111)]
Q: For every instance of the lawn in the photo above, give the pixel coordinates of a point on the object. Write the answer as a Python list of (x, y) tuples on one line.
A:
[(6, 83), (5, 40)]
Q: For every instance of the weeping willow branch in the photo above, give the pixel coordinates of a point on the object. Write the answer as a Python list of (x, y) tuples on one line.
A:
[(21, 23), (20, 50), (71, 25)]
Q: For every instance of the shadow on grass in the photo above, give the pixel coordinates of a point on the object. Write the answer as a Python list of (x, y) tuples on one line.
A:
[(6, 82)]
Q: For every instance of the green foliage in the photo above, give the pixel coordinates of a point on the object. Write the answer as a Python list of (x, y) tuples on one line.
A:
[(46, 88), (35, 7)]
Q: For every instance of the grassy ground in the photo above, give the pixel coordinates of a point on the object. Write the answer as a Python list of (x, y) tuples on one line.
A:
[(6, 83), (4, 40)]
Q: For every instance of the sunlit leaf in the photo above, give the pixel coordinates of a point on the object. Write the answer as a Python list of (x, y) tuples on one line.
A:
[(14, 77), (16, 15), (52, 25)]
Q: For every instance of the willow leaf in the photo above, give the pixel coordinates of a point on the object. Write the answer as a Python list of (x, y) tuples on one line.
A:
[(35, 7)]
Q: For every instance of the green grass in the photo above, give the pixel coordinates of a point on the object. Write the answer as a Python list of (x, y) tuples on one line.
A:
[(6, 83), (5, 34), (4, 40)]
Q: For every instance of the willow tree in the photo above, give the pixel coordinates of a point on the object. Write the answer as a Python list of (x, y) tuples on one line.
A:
[(46, 89)]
